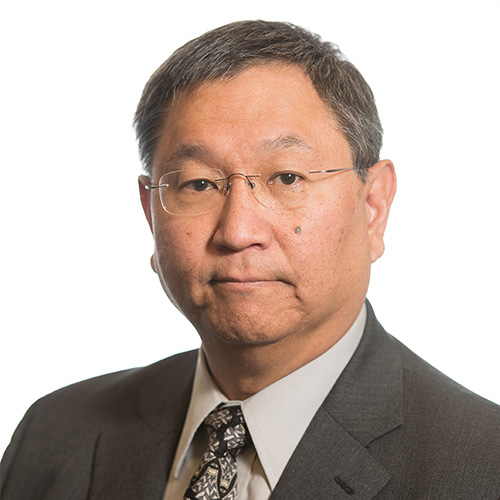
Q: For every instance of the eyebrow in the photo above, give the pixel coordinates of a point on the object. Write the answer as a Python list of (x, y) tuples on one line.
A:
[(200, 152), (285, 142)]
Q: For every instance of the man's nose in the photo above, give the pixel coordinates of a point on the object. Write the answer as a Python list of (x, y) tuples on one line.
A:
[(243, 221)]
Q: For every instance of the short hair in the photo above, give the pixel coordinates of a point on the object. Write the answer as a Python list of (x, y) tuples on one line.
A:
[(225, 52)]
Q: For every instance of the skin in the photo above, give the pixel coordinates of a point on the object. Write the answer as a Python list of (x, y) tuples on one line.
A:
[(264, 299)]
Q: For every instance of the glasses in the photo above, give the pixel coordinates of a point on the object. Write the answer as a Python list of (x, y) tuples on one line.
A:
[(199, 190)]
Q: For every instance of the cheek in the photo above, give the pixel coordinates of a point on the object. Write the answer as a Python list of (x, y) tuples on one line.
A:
[(312, 252), (335, 240), (177, 252)]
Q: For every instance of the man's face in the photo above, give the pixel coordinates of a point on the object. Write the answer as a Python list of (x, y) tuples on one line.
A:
[(243, 274)]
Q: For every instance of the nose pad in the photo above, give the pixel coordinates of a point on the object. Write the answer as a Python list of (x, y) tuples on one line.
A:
[(249, 182)]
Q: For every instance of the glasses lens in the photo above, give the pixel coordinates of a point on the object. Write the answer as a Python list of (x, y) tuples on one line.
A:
[(295, 187), (191, 191), (280, 187), (198, 190)]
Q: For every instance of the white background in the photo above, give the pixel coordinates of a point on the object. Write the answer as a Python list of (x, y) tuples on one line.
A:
[(78, 297)]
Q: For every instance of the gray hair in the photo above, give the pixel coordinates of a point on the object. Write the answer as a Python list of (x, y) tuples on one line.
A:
[(227, 51)]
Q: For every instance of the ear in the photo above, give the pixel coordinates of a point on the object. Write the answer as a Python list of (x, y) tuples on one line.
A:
[(146, 198), (146, 206), (380, 191)]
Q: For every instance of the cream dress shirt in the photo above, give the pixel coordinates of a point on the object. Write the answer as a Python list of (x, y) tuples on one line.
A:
[(277, 418)]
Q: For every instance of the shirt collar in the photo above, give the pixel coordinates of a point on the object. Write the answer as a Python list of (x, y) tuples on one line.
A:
[(278, 415), (204, 398)]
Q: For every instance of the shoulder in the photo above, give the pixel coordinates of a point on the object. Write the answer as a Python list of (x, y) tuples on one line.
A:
[(448, 434), (425, 391), (73, 415), (428, 392), (116, 391)]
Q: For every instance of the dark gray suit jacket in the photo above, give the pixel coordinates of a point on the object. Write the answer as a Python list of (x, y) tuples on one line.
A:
[(393, 427)]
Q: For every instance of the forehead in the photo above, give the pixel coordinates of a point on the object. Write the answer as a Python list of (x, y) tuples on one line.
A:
[(272, 107)]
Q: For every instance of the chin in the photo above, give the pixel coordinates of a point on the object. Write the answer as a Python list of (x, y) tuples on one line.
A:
[(241, 333)]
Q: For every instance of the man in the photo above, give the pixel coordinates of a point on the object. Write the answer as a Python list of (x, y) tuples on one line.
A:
[(268, 203)]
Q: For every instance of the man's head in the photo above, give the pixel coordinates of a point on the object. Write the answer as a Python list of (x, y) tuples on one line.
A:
[(286, 267), (227, 51)]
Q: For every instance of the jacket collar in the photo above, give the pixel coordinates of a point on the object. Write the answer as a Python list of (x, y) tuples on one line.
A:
[(331, 460), (367, 399)]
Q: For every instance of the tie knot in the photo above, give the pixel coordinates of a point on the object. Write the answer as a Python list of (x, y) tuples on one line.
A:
[(227, 430), (216, 476)]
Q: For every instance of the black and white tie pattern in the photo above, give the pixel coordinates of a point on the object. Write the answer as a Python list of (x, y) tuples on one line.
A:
[(215, 478)]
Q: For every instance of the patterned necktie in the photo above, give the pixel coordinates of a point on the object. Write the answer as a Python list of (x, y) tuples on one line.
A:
[(215, 478)]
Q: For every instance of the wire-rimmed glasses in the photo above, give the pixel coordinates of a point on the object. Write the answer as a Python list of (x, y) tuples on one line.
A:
[(198, 190)]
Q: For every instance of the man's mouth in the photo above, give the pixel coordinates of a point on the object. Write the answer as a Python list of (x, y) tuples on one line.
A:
[(240, 280)]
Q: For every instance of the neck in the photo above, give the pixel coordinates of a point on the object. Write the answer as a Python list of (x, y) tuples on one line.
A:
[(241, 370)]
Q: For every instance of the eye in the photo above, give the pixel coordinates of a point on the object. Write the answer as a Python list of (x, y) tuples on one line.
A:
[(199, 185), (285, 179)]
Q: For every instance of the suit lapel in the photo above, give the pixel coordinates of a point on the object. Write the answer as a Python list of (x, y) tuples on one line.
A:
[(332, 459), (133, 458), (330, 463)]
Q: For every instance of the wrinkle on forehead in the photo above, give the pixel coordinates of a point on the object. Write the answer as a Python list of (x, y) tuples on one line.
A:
[(204, 154)]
